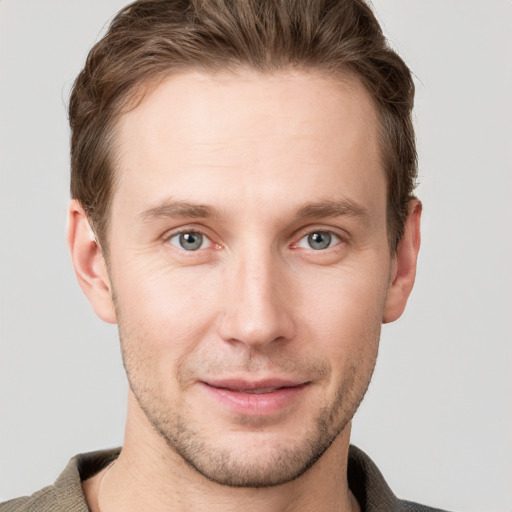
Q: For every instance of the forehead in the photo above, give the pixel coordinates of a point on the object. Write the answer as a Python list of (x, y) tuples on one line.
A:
[(281, 136)]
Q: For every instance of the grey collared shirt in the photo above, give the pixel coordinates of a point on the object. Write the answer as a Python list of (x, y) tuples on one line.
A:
[(66, 495)]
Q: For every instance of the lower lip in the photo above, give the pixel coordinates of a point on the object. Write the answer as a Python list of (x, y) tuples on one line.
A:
[(254, 404)]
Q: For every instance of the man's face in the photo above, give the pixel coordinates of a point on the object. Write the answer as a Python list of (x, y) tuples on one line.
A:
[(250, 266)]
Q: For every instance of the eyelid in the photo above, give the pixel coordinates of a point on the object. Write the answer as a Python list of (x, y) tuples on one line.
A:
[(205, 241), (308, 230), (335, 240), (190, 229)]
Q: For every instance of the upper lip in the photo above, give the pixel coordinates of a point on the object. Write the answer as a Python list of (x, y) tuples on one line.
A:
[(250, 385)]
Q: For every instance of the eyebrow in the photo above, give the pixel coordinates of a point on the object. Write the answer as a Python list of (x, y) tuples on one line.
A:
[(326, 209), (321, 209), (172, 209)]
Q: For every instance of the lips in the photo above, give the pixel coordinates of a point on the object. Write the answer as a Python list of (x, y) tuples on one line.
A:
[(255, 397), (258, 391), (245, 386)]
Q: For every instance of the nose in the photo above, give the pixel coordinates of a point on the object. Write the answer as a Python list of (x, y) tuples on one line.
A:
[(257, 310)]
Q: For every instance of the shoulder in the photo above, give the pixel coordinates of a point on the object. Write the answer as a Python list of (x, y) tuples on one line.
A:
[(371, 490), (66, 494), (41, 501), (409, 506)]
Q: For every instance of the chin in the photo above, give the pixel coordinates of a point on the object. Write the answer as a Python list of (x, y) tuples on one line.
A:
[(273, 465), (249, 459)]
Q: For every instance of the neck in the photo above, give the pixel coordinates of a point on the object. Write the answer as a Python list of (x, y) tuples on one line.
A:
[(148, 475)]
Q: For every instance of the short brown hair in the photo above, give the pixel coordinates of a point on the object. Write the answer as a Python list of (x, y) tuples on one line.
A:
[(149, 39)]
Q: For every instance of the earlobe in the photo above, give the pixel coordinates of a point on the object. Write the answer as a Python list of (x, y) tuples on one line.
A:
[(89, 263), (404, 271)]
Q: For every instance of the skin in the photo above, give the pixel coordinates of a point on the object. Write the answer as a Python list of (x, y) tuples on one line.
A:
[(257, 164)]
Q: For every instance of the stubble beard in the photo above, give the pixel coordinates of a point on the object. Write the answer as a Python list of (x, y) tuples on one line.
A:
[(233, 466)]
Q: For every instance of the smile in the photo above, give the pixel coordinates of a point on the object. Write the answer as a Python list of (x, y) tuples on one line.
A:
[(256, 398), (258, 391)]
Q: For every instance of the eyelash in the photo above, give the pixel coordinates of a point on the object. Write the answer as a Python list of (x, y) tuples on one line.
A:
[(331, 237), (178, 234), (304, 235)]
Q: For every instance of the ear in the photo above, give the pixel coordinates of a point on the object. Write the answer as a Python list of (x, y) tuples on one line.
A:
[(404, 265), (89, 263)]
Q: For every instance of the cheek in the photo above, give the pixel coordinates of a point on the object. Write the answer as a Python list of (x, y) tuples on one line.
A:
[(163, 316), (344, 315)]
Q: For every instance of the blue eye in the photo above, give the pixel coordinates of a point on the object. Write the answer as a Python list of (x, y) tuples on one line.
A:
[(319, 240), (189, 241)]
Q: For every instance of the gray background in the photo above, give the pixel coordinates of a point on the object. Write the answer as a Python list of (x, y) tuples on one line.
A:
[(438, 417)]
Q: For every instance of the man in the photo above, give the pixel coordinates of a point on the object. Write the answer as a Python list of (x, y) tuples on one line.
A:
[(243, 209)]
